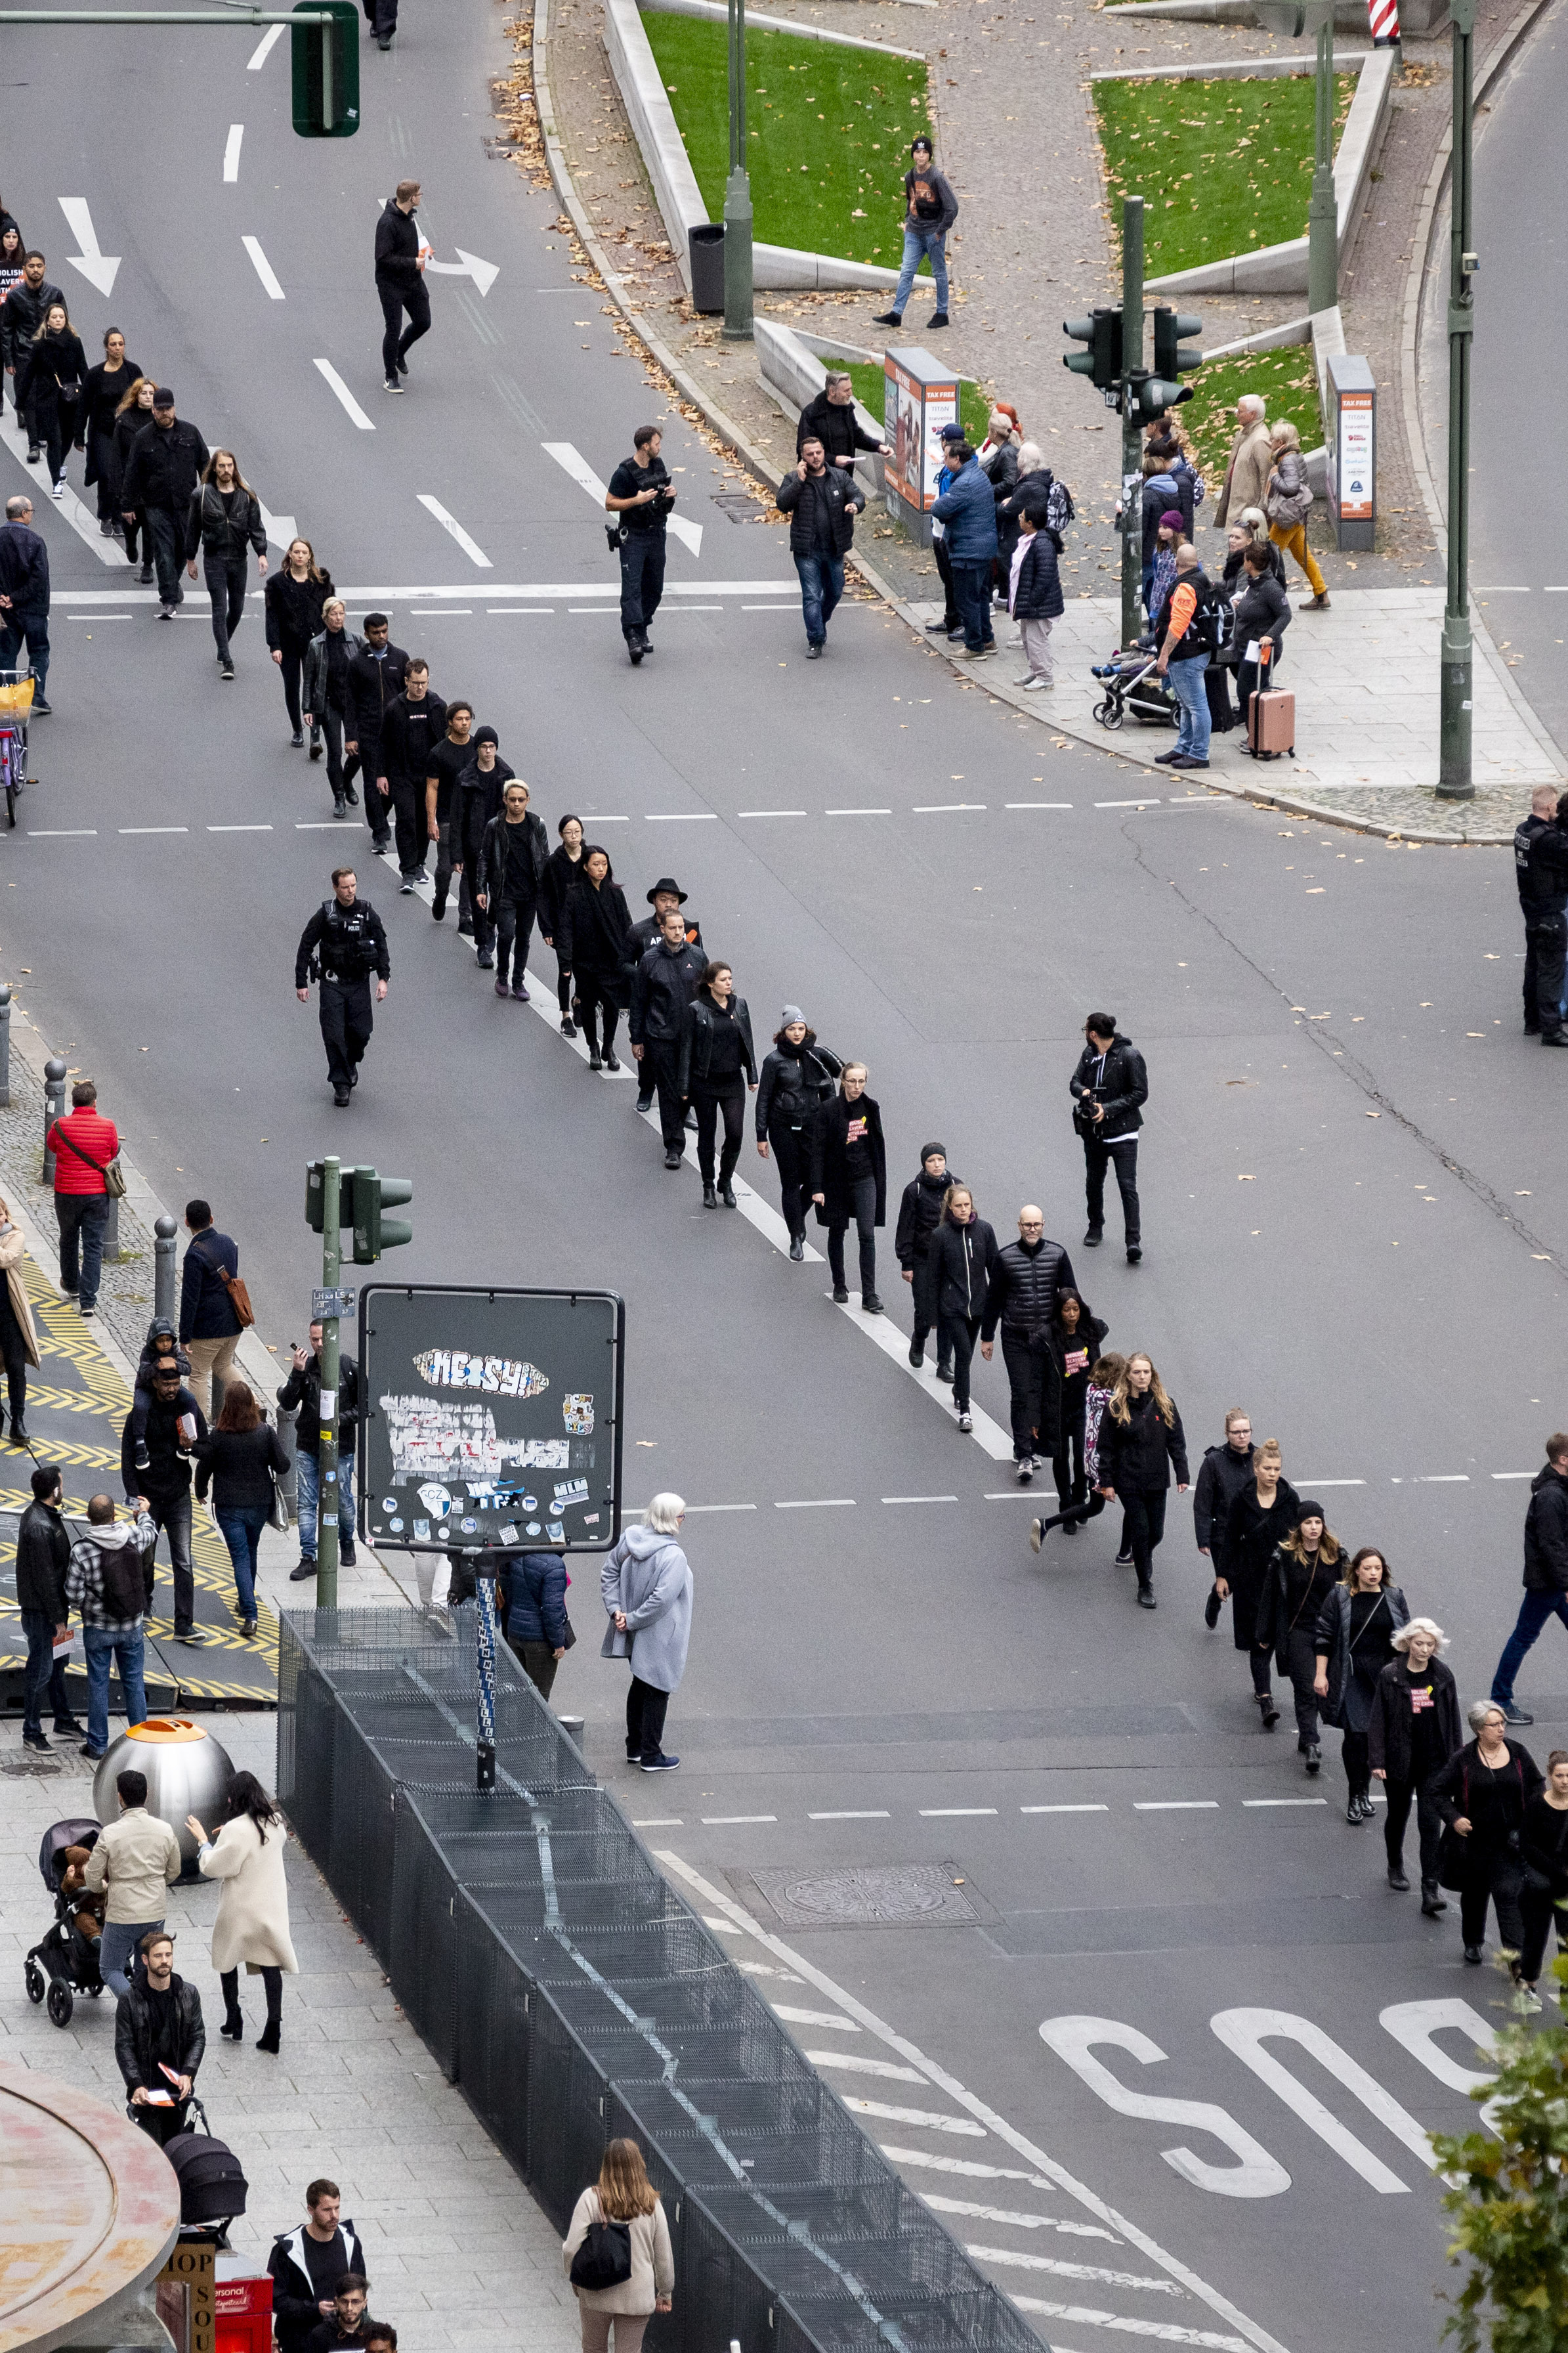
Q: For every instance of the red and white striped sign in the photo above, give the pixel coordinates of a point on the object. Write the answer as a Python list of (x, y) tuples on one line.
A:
[(1385, 16)]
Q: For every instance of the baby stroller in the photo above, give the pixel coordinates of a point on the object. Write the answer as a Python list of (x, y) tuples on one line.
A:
[(65, 1963), (1133, 684)]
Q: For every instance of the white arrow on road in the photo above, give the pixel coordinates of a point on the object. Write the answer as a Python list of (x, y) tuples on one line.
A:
[(99, 269), (280, 529), (573, 462), (467, 265)]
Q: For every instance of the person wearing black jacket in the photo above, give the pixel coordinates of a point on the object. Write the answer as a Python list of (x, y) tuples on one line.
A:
[(157, 2026), (23, 312), (1109, 1088), (918, 1210), (166, 462), (344, 940), (830, 418), (598, 927), (378, 672), (961, 1257), (165, 1482), (1028, 1276), (224, 522), (476, 802), (822, 502), (666, 894), (444, 763), (104, 388), (1077, 1339), (641, 494), (666, 979), (49, 388), (797, 1078), (1546, 1571), (1355, 1643), (1299, 1584), (209, 1321), (24, 596), (400, 281), (292, 607), (413, 725), (559, 873), (1036, 599), (132, 416), (1261, 610), (533, 1597), (327, 686), (715, 1050), (301, 1396), (848, 1161), (240, 1461), (306, 2265), (512, 857), (1223, 1472), (1540, 872), (43, 1556), (1141, 1443), (1412, 1730), (1263, 1510), (1483, 1793), (1543, 1895)]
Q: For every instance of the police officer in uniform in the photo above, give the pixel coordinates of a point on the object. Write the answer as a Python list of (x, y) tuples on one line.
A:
[(343, 945), (641, 494), (1541, 870)]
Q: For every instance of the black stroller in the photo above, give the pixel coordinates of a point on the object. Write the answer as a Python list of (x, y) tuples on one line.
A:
[(1133, 684), (65, 1963)]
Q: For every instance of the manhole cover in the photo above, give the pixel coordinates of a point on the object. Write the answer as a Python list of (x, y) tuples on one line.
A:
[(893, 1895), (738, 507)]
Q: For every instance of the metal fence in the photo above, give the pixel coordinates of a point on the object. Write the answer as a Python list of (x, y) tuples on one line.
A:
[(572, 1993)]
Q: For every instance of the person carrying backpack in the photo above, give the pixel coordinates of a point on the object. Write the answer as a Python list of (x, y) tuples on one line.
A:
[(109, 1580), (1186, 629)]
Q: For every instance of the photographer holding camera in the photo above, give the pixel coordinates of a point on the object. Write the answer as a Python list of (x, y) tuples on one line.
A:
[(1108, 1088), (641, 497)]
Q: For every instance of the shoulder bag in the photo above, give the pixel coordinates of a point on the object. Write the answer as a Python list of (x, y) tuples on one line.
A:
[(238, 1296), (605, 2258), (113, 1176)]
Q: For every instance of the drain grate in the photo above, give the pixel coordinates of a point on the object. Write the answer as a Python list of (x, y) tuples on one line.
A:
[(889, 1896)]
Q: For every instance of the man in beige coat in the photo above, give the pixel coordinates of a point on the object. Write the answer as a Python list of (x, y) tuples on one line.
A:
[(134, 1860), (1251, 458)]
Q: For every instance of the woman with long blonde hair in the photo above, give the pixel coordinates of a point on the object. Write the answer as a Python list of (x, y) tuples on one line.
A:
[(1141, 1443), (618, 2253)]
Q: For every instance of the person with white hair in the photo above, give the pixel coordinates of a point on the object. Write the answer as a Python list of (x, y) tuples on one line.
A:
[(1482, 1794), (1251, 461), (1412, 1732), (646, 1585)]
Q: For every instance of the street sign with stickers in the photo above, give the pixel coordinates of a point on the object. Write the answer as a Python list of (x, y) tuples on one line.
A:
[(492, 1419)]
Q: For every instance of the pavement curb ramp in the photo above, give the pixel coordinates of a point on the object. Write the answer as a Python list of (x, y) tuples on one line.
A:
[(697, 397)]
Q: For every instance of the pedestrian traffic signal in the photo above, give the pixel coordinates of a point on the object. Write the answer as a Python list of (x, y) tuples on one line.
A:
[(1102, 361), (1164, 389), (372, 1232), (326, 70), (315, 1207)]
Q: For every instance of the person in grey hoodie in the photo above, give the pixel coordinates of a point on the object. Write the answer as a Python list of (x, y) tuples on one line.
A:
[(646, 1585)]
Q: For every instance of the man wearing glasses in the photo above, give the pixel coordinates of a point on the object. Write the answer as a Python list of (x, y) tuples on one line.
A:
[(24, 596), (1030, 1274)]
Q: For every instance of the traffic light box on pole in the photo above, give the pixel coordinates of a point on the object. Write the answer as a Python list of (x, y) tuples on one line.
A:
[(371, 1194), (1164, 388), (1101, 363), (325, 57)]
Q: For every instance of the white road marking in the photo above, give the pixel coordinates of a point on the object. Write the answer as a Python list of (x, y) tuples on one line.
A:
[(264, 269), (1009, 2214), (1341, 1483), (450, 522), (60, 833), (265, 47), (231, 151), (357, 416), (681, 817), (946, 808), (1038, 804), (868, 1814), (857, 812), (719, 1820), (1143, 803), (813, 2018), (154, 828), (919, 1499), (517, 612), (1174, 1805), (1073, 2271), (467, 265), (1284, 1801), (941, 1813), (573, 462), (1414, 2025), (442, 612), (1083, 2317), (854, 2064), (718, 1507), (928, 2117), (1513, 1474), (972, 2170), (99, 269), (81, 519), (752, 608), (240, 828), (1009, 1495), (280, 529), (1443, 1479), (1245, 2030), (1076, 2039), (659, 1822), (1064, 1809), (818, 1504)]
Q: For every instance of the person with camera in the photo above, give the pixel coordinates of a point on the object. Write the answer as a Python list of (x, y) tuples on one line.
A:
[(341, 945), (640, 495), (1108, 1088)]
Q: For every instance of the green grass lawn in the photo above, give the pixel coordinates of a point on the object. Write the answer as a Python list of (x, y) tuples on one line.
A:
[(1222, 166), (1289, 385), (974, 407), (828, 133)]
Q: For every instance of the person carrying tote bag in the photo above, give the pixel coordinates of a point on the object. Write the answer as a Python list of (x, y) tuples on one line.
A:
[(619, 2220)]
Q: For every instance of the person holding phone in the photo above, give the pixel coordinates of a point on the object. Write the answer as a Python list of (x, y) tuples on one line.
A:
[(176, 1427), (159, 2040)]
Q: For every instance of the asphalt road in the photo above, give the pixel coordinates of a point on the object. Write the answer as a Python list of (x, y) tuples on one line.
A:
[(882, 1675)]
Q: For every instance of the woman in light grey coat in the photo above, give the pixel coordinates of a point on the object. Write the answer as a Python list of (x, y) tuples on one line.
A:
[(645, 1585)]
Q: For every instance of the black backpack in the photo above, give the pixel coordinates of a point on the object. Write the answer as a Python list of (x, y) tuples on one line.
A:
[(605, 2257), (123, 1581)]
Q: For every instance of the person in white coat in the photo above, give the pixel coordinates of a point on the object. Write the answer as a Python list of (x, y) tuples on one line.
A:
[(646, 1585), (252, 1923), (622, 2194)]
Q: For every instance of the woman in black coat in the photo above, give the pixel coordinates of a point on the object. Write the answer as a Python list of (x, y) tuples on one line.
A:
[(1412, 1731), (104, 388), (240, 1458), (596, 928), (1354, 1642), (1262, 610), (49, 387), (1543, 1851), (1141, 1443), (797, 1077), (292, 610), (561, 869), (961, 1255), (849, 1179), (1261, 1515), (132, 416), (1298, 1584), (717, 1063), (1076, 1337), (1482, 1794)]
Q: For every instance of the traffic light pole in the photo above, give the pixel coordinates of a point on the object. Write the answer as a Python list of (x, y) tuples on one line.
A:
[(1455, 781), (327, 1453), (1323, 213), (1131, 430)]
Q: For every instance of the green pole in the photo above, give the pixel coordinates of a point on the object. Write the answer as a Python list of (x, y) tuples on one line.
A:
[(1455, 782), (1322, 214), (1131, 433), (327, 1454), (737, 326)]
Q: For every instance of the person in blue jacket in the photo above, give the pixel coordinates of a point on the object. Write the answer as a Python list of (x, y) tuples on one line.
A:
[(967, 514), (537, 1626)]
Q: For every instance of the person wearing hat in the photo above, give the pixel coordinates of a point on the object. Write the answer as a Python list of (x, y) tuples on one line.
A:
[(166, 466), (665, 983), (1297, 1584), (951, 625), (798, 1076), (667, 896), (919, 1212)]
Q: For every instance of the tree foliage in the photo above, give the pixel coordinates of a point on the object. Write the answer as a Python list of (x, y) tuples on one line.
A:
[(1508, 2196)]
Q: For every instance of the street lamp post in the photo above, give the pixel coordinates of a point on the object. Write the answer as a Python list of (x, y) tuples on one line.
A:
[(1322, 214), (1455, 782), (738, 192), (1131, 426)]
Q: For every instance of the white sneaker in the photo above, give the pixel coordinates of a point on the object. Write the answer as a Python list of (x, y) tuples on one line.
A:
[(1036, 1535), (1038, 685), (1526, 2001), (967, 1421), (59, 489)]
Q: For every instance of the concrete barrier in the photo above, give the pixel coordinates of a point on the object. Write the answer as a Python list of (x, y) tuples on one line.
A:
[(718, 13), (793, 374), (1349, 15)]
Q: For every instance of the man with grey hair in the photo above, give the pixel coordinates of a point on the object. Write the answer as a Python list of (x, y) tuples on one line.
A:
[(646, 1587), (1251, 461), (25, 596), (830, 418)]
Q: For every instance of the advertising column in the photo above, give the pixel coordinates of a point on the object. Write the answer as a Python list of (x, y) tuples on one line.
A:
[(919, 398)]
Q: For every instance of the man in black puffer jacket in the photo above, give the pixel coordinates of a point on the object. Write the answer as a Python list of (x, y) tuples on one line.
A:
[(822, 502), (1108, 1088), (1030, 1274), (166, 463), (830, 418), (918, 1213), (1546, 1571)]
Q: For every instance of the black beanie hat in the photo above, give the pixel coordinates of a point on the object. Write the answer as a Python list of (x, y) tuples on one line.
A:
[(927, 1149)]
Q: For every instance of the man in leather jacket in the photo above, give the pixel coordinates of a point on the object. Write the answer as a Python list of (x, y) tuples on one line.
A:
[(158, 2026), (1108, 1088)]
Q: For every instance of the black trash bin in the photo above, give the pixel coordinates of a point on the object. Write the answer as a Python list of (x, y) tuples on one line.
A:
[(706, 246)]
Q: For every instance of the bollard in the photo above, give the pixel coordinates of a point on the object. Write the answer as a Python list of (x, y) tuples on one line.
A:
[(288, 1426), (163, 1232), (5, 1045), (111, 1231), (53, 1108)]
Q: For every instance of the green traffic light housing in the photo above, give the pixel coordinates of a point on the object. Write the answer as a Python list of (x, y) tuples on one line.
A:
[(1170, 326), (374, 1232), (1102, 361), (315, 1202), (326, 70), (1156, 396)]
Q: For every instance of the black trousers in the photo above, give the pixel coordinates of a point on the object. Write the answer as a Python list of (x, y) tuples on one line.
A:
[(1493, 1877), (1428, 1826), (381, 15), (347, 1020), (54, 424), (225, 590), (714, 1098), (443, 868), (1067, 1469), (106, 467), (660, 1072), (1026, 1361), (1145, 1510), (14, 1355), (642, 580), (515, 929), (951, 618), (167, 542), (1301, 1665), (646, 1711), (292, 668), (1537, 1909), (924, 1289), (787, 1145), (863, 1201), (1545, 967), (955, 1338), (596, 1009), (395, 300), (1123, 1158), (366, 763), (1354, 1756), (564, 985), (409, 824), (139, 528), (271, 1986), (331, 723)]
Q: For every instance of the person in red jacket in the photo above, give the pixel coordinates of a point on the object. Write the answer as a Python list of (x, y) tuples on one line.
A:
[(83, 1144)]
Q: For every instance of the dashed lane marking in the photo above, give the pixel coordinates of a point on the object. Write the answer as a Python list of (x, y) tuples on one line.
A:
[(354, 413), (263, 267), (231, 152), (265, 47), (449, 523)]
